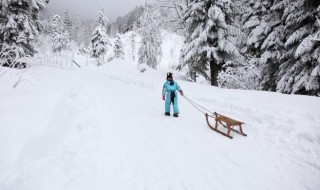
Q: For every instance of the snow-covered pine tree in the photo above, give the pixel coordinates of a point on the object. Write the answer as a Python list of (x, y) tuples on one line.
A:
[(86, 30), (76, 30), (133, 45), (242, 74), (150, 51), (264, 43), (41, 22), (100, 40), (59, 36), (118, 47), (299, 69), (67, 22), (210, 40), (46, 26), (19, 27)]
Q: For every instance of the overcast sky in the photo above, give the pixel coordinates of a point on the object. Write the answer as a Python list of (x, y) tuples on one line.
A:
[(89, 8)]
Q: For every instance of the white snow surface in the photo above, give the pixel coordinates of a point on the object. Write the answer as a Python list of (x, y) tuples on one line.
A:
[(104, 128)]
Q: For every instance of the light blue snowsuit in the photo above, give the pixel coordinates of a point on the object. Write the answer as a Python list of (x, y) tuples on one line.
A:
[(169, 90)]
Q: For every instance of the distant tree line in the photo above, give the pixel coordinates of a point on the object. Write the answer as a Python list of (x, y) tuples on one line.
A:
[(126, 23)]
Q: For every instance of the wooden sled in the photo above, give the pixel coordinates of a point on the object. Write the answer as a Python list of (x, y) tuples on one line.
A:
[(227, 123)]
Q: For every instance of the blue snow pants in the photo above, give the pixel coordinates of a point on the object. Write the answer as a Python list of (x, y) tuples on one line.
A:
[(170, 89)]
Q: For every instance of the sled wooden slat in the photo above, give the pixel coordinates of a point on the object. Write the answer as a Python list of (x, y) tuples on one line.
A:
[(227, 123)]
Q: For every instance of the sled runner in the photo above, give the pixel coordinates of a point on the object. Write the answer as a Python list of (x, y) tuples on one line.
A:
[(226, 122)]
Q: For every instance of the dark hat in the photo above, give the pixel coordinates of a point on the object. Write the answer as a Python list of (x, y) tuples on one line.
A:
[(169, 75)]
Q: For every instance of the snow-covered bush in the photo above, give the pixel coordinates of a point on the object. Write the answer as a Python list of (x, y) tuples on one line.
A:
[(143, 68), (240, 76), (12, 56)]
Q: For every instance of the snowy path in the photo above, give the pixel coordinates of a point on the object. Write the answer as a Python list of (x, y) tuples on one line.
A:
[(105, 129)]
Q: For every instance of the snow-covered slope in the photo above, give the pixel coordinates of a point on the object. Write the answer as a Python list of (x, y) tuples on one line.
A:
[(104, 128)]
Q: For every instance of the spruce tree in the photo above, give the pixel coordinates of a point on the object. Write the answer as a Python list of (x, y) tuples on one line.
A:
[(210, 40), (59, 36), (20, 25), (264, 44), (76, 30), (133, 45), (150, 51), (100, 40), (299, 69), (118, 47), (67, 23)]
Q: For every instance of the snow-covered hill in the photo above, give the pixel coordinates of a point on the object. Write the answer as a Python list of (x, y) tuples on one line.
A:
[(104, 128)]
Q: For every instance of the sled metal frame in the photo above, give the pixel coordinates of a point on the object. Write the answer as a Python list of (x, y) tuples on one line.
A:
[(227, 123)]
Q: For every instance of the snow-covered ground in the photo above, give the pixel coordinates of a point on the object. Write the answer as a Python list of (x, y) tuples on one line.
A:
[(104, 128)]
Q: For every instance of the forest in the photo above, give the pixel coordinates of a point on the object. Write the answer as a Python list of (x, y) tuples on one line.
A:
[(269, 45)]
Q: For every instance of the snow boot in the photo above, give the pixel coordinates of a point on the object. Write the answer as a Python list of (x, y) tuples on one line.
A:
[(175, 115), (167, 114)]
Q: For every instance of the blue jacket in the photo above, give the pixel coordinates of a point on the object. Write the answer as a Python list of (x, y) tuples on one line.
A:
[(170, 86), (169, 90)]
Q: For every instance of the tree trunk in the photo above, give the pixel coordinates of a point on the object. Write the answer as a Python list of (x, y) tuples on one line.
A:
[(214, 73)]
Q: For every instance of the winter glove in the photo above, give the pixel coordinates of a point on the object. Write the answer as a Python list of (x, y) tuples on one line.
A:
[(163, 97), (181, 92)]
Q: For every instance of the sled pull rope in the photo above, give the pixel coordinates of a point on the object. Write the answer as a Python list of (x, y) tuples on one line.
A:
[(198, 107)]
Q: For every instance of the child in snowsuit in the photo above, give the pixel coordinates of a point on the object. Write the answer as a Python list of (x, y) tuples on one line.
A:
[(169, 95)]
